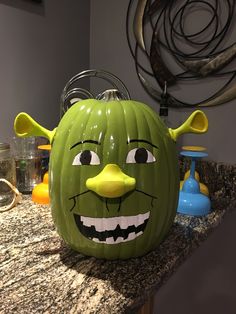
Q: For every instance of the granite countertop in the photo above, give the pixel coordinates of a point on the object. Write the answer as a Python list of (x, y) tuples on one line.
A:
[(40, 274)]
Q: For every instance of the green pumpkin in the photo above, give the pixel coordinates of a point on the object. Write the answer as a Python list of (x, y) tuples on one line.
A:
[(114, 177)]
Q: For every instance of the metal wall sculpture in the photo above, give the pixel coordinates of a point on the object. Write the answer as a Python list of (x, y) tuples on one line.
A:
[(156, 29)]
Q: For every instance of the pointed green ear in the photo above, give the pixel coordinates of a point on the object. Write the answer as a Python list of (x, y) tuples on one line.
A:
[(25, 126), (196, 123)]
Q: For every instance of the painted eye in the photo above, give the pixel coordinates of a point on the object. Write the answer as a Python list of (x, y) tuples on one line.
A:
[(86, 157), (140, 156)]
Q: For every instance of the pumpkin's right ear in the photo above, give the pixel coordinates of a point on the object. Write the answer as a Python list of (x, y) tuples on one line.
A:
[(196, 123), (25, 126)]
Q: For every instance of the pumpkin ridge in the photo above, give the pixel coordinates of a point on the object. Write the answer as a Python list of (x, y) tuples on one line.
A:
[(169, 216), (147, 116), (124, 104), (173, 187), (116, 124), (170, 212), (76, 120), (154, 116), (134, 114), (99, 106)]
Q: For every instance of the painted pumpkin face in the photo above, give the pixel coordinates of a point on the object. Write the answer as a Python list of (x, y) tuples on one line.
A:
[(113, 177)]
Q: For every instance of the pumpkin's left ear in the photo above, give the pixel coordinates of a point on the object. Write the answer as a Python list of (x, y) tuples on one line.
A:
[(25, 126), (196, 123)]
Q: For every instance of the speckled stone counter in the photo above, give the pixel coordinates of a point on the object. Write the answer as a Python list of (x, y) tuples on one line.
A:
[(40, 274)]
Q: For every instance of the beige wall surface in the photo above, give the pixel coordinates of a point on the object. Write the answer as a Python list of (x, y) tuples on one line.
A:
[(42, 47), (109, 50)]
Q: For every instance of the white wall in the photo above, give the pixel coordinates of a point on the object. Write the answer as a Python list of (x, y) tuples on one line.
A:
[(42, 47), (109, 50)]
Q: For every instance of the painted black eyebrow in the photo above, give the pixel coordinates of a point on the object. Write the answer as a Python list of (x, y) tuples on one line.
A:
[(85, 141), (142, 141)]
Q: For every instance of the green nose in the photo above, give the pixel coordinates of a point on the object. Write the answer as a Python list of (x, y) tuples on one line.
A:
[(111, 182)]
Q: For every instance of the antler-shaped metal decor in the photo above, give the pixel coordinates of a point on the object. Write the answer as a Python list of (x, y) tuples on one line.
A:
[(157, 30)]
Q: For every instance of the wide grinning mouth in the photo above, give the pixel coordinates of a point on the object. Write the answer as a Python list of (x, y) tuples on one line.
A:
[(112, 230)]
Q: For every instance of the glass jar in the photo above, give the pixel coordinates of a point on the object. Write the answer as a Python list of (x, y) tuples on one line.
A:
[(28, 163), (7, 172)]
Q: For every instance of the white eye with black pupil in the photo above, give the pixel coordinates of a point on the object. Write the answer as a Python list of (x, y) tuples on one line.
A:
[(86, 157), (140, 156)]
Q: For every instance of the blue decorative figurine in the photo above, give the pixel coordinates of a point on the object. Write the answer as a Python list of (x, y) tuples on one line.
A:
[(191, 200)]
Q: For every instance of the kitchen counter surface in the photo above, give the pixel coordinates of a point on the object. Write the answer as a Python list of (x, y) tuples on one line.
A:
[(40, 274)]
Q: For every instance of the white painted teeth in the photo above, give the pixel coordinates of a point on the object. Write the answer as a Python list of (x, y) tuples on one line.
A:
[(109, 224), (111, 240), (113, 223)]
